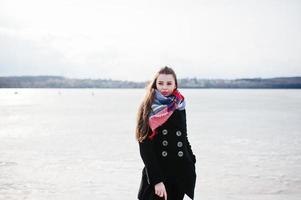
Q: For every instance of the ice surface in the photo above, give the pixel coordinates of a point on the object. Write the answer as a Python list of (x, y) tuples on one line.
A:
[(80, 144)]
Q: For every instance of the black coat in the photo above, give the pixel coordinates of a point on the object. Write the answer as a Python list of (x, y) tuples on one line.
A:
[(169, 157)]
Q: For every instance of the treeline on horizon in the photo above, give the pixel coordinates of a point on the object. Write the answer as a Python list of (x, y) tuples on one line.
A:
[(63, 82)]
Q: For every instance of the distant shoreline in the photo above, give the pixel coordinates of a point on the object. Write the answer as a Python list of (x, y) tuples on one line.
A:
[(60, 82)]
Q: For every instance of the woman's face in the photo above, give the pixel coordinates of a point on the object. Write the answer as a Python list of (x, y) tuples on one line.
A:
[(165, 83)]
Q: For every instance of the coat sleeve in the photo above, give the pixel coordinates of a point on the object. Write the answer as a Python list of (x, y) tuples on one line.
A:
[(147, 153), (187, 141)]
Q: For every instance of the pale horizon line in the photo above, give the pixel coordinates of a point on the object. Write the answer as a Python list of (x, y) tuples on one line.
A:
[(112, 79)]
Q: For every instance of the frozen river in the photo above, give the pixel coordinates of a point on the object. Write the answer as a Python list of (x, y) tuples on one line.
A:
[(80, 144)]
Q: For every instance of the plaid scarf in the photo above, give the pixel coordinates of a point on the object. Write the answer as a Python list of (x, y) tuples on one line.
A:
[(163, 107)]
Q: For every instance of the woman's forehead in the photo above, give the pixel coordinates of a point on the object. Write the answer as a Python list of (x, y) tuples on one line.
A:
[(165, 77)]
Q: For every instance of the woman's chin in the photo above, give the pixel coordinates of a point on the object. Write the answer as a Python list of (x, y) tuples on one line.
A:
[(166, 95)]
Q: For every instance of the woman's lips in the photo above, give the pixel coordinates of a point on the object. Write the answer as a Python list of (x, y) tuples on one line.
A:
[(164, 93)]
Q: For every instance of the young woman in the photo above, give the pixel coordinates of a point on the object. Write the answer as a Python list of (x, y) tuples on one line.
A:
[(161, 131)]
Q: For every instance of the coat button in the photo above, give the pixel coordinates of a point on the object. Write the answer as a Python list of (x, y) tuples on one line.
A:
[(164, 143), (164, 153), (179, 144), (178, 133), (164, 131), (180, 153)]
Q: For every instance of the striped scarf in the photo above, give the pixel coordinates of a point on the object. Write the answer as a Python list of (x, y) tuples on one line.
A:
[(163, 107)]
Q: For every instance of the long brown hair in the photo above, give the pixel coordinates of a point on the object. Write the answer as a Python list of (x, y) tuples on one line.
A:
[(142, 127)]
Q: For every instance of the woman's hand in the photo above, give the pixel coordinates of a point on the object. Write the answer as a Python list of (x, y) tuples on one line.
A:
[(160, 190)]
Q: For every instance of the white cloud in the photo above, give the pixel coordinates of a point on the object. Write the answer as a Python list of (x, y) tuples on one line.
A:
[(115, 39)]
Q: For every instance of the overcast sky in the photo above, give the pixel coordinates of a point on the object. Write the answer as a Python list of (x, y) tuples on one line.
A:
[(132, 39)]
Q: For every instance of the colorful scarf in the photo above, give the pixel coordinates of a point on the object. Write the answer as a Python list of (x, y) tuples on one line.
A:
[(163, 107)]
